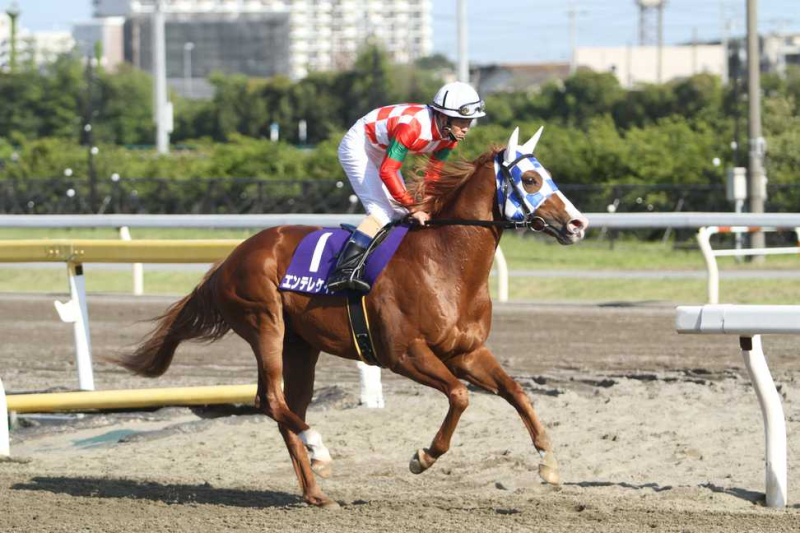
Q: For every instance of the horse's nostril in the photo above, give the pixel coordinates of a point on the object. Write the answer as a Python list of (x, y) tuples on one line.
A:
[(577, 224)]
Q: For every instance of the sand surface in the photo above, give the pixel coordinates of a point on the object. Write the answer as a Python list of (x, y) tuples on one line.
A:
[(654, 431)]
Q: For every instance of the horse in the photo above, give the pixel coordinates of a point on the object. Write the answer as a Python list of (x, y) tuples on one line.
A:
[(430, 308)]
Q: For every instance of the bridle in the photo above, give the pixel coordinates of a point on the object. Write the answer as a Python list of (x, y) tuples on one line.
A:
[(530, 221)]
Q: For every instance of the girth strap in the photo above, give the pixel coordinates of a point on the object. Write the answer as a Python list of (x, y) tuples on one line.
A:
[(359, 326)]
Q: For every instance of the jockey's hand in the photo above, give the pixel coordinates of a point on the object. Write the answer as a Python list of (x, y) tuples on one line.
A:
[(421, 217)]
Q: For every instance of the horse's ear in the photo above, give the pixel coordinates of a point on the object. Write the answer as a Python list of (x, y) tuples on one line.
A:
[(530, 146), (511, 149)]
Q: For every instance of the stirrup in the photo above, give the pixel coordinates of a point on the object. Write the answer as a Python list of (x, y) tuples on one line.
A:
[(348, 279)]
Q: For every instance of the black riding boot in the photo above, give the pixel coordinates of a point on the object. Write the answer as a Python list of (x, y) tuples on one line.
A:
[(349, 268)]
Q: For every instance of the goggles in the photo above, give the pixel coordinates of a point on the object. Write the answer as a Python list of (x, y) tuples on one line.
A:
[(467, 110)]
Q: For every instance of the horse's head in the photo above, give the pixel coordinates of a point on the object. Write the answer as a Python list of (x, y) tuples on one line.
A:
[(526, 193)]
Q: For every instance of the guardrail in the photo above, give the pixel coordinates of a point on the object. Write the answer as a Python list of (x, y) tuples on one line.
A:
[(710, 255), (749, 322), (77, 252)]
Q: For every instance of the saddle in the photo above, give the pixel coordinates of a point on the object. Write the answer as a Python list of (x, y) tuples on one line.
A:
[(314, 259)]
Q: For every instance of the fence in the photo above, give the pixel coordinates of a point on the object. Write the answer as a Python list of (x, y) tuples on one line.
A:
[(710, 255), (250, 195)]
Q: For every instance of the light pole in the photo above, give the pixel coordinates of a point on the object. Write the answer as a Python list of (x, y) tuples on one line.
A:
[(13, 14), (187, 68), (163, 111)]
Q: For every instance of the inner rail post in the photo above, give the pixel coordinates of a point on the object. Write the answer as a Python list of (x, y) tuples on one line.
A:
[(774, 420)]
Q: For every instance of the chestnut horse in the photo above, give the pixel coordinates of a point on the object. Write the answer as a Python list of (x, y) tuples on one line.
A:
[(430, 309)]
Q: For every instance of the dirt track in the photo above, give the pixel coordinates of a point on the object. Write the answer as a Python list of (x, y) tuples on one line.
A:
[(654, 431)]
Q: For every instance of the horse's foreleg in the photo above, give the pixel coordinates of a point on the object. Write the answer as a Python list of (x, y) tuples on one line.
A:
[(421, 364), (482, 369)]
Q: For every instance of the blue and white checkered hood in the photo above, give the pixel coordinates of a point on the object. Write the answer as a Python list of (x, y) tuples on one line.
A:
[(513, 203)]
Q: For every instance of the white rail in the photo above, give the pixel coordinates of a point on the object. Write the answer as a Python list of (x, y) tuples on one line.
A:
[(688, 220), (749, 322), (597, 220), (710, 255)]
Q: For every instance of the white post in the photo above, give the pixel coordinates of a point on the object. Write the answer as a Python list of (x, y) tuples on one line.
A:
[(704, 240), (75, 311), (138, 269), (160, 79), (463, 59), (502, 275), (774, 422), (5, 443), (369, 377)]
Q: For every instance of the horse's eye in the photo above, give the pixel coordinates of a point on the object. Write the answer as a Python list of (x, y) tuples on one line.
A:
[(529, 181)]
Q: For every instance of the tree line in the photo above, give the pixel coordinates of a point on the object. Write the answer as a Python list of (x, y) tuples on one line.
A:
[(596, 131)]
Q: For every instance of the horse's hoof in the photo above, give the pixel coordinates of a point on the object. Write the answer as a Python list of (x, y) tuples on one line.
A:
[(330, 505), (322, 468), (548, 469), (421, 461), (322, 502)]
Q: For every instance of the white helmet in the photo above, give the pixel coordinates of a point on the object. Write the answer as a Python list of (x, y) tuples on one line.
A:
[(458, 100)]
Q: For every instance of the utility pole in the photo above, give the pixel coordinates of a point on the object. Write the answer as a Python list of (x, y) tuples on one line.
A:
[(726, 30), (463, 60), (757, 146), (163, 109), (13, 14), (572, 13), (89, 135), (661, 41)]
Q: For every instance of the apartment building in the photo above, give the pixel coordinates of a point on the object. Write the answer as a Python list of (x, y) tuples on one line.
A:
[(292, 37)]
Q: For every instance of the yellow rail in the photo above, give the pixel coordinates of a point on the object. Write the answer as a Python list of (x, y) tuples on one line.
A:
[(114, 251), (129, 399)]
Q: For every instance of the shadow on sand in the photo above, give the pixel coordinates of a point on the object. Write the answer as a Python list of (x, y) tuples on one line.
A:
[(588, 484), (748, 495), (170, 493)]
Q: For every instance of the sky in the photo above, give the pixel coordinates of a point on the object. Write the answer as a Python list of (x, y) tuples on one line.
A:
[(525, 31)]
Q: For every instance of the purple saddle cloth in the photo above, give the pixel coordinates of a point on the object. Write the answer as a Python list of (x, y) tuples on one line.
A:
[(315, 258)]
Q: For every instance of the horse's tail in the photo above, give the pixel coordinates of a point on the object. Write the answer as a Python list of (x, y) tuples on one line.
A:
[(193, 317)]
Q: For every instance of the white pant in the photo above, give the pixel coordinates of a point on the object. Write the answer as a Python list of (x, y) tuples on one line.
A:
[(360, 162)]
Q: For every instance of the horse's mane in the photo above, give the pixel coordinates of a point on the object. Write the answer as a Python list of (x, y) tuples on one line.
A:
[(433, 196)]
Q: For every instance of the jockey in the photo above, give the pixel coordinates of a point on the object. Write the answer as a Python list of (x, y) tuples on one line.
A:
[(372, 152)]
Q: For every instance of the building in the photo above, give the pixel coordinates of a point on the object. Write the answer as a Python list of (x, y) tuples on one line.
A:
[(43, 47), (33, 48), (778, 51), (105, 34), (267, 37), (635, 65), (516, 77)]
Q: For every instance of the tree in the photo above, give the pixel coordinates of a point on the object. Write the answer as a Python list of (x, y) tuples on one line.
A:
[(125, 107), (587, 94)]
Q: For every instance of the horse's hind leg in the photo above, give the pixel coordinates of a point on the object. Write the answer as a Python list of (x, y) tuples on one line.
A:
[(263, 327), (422, 365), (482, 369), (299, 361)]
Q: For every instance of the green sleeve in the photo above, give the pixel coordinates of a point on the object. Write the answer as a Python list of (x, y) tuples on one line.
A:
[(396, 150), (443, 154)]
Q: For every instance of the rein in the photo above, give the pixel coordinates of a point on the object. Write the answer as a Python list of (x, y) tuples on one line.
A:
[(535, 224)]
